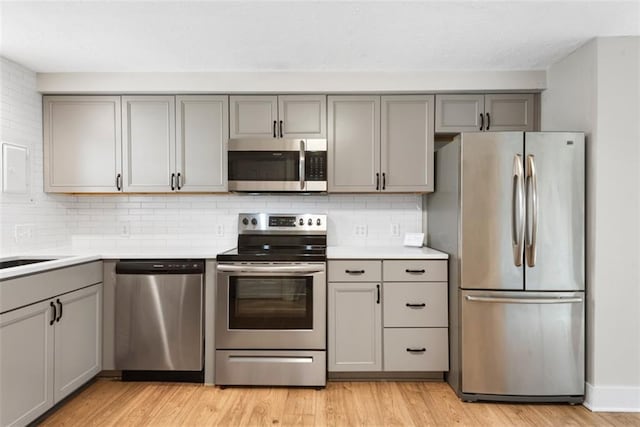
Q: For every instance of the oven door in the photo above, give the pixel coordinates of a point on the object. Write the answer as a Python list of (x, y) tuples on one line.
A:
[(292, 165), (271, 306)]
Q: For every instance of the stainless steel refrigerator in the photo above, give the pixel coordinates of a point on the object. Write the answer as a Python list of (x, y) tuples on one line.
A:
[(508, 208)]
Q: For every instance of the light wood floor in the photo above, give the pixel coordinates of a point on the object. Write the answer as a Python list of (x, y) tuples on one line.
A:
[(114, 403)]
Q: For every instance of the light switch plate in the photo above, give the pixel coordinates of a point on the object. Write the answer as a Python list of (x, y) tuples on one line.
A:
[(15, 168)]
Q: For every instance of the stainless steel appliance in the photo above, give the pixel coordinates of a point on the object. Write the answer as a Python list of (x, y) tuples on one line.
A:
[(277, 165), (159, 319), (509, 209), (271, 302)]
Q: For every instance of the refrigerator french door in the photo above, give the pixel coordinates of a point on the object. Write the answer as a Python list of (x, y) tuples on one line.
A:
[(516, 242)]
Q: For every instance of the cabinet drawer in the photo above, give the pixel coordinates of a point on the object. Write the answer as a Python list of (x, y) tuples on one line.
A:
[(355, 271), (431, 345), (415, 304), (415, 271)]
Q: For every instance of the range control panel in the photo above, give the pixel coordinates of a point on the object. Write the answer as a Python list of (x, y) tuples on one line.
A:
[(289, 223)]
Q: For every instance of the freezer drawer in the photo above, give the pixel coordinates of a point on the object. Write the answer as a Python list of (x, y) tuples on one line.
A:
[(522, 343)]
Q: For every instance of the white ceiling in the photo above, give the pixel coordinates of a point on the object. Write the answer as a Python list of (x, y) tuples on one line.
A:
[(102, 36)]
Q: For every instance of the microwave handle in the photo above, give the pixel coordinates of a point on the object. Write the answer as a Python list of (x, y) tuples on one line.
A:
[(301, 165)]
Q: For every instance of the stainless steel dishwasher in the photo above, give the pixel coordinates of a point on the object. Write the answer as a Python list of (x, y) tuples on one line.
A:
[(159, 319)]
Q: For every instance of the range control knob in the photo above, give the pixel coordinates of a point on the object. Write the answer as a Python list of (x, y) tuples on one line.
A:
[(310, 222), (318, 222), (301, 222), (254, 221), (245, 221)]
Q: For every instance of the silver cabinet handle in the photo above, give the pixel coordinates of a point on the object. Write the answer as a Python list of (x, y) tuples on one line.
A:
[(556, 300), (517, 210), (302, 161), (268, 269), (532, 228)]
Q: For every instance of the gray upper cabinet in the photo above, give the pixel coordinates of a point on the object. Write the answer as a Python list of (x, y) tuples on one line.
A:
[(202, 134), (82, 144), (509, 112), (380, 143), (282, 116), (459, 113), (149, 143), (354, 144), (491, 112), (407, 143), (254, 116)]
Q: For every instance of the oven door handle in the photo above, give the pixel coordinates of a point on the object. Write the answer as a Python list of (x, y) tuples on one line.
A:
[(269, 269)]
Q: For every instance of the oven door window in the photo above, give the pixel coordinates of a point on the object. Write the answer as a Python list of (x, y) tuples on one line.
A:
[(268, 302), (264, 166)]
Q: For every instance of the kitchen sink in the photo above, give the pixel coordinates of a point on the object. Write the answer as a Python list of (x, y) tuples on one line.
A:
[(19, 262)]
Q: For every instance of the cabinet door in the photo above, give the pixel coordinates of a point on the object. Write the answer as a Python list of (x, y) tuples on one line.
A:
[(407, 143), (354, 143), (26, 364), (202, 134), (459, 113), (78, 339), (509, 112), (253, 116), (303, 116), (82, 146), (355, 327), (149, 143)]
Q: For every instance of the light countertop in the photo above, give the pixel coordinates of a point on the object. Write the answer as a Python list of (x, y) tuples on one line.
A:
[(64, 257), (383, 252)]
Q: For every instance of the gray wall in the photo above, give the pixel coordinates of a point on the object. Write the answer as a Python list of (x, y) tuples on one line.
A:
[(596, 90)]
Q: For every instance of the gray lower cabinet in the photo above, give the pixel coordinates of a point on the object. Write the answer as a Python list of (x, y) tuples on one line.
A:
[(380, 143), (490, 112), (388, 315), (82, 144), (355, 320), (45, 354)]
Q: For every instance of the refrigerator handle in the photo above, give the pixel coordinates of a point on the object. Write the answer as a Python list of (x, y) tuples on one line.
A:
[(532, 209), (517, 210)]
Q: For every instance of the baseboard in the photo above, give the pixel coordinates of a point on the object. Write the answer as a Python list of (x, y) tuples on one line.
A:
[(612, 398)]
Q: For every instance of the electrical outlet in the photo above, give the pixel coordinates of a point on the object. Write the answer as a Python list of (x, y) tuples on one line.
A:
[(360, 230), (22, 232), (220, 230), (395, 230), (125, 229)]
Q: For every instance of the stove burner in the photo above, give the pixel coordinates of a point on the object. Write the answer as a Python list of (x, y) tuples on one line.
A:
[(279, 237)]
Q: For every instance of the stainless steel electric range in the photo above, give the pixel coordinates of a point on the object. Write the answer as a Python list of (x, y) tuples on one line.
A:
[(271, 302)]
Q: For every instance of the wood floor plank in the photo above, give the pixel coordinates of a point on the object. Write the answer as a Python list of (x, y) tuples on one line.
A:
[(109, 402)]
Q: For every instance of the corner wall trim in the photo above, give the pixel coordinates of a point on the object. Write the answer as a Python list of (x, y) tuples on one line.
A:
[(612, 398)]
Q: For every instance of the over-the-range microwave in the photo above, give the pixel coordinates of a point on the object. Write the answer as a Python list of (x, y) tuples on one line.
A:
[(277, 165)]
